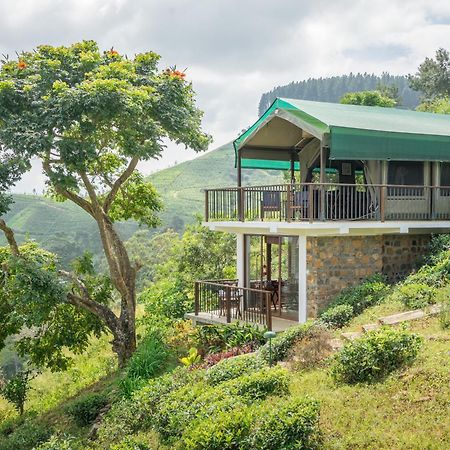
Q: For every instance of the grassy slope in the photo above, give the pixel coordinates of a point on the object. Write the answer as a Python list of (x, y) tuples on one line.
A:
[(409, 410)]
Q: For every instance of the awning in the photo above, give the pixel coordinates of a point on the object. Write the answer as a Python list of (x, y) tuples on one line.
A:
[(351, 132)]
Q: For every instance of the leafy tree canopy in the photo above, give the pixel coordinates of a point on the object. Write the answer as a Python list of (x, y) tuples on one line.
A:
[(432, 78), (90, 117), (438, 105), (368, 98)]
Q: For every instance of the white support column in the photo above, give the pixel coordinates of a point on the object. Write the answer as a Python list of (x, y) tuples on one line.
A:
[(240, 261), (302, 292)]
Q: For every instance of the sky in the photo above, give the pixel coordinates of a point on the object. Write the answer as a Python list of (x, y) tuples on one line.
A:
[(235, 50)]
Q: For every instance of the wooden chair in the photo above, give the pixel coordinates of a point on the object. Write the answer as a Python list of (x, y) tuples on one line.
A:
[(300, 203), (270, 202), (235, 302)]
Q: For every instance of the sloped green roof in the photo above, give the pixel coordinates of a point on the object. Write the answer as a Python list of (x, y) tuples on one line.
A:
[(363, 132)]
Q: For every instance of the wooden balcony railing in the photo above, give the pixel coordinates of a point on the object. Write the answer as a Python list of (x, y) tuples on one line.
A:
[(225, 299), (329, 201)]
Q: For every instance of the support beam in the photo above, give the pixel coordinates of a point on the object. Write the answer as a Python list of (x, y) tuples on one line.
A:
[(240, 259), (239, 169), (323, 164), (292, 160), (302, 280)]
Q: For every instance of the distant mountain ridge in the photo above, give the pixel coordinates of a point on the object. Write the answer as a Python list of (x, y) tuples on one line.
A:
[(331, 89)]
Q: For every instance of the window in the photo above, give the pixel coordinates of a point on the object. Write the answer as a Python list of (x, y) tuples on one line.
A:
[(405, 173), (445, 174)]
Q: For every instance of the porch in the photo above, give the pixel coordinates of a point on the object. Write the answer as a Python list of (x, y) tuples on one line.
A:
[(223, 301)]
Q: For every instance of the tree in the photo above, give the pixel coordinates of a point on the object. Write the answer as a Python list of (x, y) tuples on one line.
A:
[(438, 105), (90, 117), (15, 390), (368, 98), (432, 78)]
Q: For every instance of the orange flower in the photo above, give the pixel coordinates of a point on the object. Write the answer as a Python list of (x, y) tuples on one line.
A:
[(113, 52), (21, 64), (176, 74)]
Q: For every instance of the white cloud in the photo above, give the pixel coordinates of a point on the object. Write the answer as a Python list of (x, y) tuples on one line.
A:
[(235, 50)]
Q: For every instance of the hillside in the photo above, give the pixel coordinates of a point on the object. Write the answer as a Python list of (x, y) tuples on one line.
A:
[(181, 186), (331, 89)]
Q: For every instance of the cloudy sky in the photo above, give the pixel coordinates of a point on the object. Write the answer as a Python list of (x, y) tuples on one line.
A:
[(237, 49)]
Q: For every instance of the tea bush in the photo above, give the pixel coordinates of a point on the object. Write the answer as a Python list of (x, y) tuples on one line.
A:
[(85, 410), (416, 295), (61, 442), (369, 293), (228, 369), (282, 343), (30, 434), (290, 424), (338, 316), (375, 355)]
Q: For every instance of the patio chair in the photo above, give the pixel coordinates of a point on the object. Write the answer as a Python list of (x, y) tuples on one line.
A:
[(270, 202), (235, 303), (300, 204)]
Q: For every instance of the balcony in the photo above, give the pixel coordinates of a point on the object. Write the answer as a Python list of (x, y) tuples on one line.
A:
[(319, 202)]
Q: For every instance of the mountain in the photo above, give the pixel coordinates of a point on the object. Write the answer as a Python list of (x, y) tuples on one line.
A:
[(331, 89)]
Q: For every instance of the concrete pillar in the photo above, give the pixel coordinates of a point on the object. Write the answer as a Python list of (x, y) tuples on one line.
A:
[(302, 279), (240, 259)]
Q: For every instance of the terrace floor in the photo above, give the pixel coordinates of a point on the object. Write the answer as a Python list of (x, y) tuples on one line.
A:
[(278, 324)]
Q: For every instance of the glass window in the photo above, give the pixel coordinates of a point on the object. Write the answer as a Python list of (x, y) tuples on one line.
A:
[(405, 173)]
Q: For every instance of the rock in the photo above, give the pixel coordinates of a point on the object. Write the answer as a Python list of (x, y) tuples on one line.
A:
[(402, 317), (370, 327), (352, 335)]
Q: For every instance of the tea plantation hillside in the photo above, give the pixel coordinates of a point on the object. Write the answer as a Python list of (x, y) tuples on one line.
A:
[(181, 186)]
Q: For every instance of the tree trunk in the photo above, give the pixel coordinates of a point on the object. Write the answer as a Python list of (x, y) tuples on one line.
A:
[(124, 345)]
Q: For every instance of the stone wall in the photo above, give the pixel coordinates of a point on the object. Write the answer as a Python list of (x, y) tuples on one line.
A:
[(334, 263)]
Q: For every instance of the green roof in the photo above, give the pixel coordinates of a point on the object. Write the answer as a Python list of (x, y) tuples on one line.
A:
[(362, 132)]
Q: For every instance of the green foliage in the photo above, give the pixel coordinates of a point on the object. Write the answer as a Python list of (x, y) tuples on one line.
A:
[(231, 368), (432, 78), (439, 245), (337, 316), (35, 297), (86, 409), (28, 435), (214, 338), (368, 98), (443, 300), (15, 390), (200, 254), (438, 106), (290, 424), (192, 358), (369, 293), (131, 443), (282, 343), (146, 362), (61, 442), (416, 295), (375, 355)]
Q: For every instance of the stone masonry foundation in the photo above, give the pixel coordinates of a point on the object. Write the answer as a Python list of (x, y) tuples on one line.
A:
[(334, 263)]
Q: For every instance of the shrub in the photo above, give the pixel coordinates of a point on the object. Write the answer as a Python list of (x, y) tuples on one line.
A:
[(28, 435), (145, 363), (259, 385), (337, 316), (228, 369), (282, 343), (416, 295), (131, 443), (444, 315), (375, 355), (61, 442), (362, 296), (15, 390), (215, 338), (291, 424), (85, 410), (312, 349)]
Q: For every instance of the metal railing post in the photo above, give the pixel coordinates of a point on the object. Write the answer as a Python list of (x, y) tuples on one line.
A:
[(382, 203), (268, 312)]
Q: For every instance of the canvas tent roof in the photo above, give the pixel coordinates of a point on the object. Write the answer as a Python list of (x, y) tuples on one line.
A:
[(350, 131)]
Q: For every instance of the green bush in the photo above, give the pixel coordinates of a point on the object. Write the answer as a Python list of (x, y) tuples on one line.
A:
[(282, 343), (338, 316), (215, 338), (375, 355), (85, 410), (28, 435), (369, 293), (61, 442), (131, 443), (416, 295), (291, 424), (259, 385), (230, 368), (145, 363)]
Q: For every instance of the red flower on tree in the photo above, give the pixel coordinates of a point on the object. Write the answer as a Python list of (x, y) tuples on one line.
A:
[(21, 64)]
